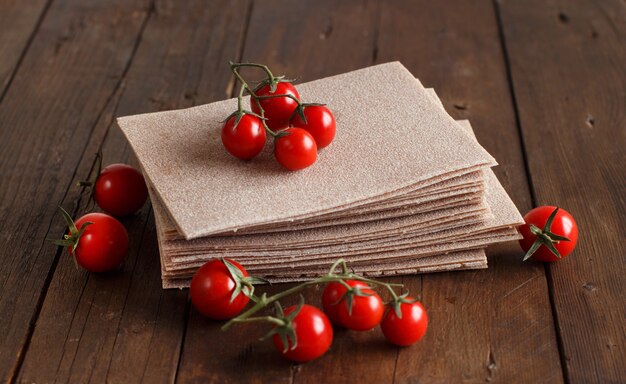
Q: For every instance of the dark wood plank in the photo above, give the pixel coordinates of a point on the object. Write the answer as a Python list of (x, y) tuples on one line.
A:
[(18, 23), (122, 327), (292, 39), (567, 67), (496, 324), (65, 81)]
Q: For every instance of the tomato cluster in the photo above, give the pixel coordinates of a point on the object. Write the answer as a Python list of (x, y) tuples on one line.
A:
[(98, 241), (298, 129), (221, 289), (354, 305)]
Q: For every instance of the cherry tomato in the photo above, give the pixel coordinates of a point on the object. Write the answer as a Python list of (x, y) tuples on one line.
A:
[(331, 298), (211, 290), (367, 311), (563, 226), (120, 190), (320, 123), (313, 331), (247, 139), (406, 330), (103, 245), (278, 110), (296, 150)]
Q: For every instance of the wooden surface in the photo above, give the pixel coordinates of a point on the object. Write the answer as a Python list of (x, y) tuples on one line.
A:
[(543, 84)]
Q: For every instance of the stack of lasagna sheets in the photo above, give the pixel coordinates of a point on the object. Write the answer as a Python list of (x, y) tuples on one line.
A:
[(403, 188)]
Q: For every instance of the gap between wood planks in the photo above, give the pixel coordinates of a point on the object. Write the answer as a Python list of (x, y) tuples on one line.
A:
[(531, 187), (76, 204), (18, 63)]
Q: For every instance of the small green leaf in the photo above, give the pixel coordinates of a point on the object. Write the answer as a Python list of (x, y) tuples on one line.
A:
[(295, 312), (285, 340), (61, 243), (238, 117), (82, 230), (548, 225), (280, 134), (255, 280), (535, 230), (229, 116), (397, 307), (279, 310), (69, 221), (273, 84), (403, 298), (556, 237), (349, 302), (360, 291), (235, 272), (236, 292), (300, 112), (254, 114), (552, 248), (532, 249), (291, 334)]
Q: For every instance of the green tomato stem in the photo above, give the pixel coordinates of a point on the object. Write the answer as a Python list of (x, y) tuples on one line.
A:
[(234, 67), (330, 277)]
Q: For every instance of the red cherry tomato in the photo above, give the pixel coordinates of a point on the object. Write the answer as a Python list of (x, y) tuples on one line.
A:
[(211, 289), (247, 139), (320, 123), (406, 330), (120, 190), (331, 298), (367, 311), (103, 245), (314, 335), (563, 225), (295, 150), (278, 110)]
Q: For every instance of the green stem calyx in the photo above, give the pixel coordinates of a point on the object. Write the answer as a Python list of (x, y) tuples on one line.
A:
[(243, 284), (70, 240), (397, 302), (545, 237)]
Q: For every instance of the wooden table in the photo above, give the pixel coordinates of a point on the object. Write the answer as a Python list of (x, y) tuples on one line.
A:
[(542, 82)]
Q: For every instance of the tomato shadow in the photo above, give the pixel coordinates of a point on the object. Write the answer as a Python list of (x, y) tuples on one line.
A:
[(209, 157)]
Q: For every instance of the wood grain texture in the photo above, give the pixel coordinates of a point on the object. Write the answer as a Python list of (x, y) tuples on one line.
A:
[(122, 327), (57, 96), (493, 325), (18, 23), (567, 67)]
